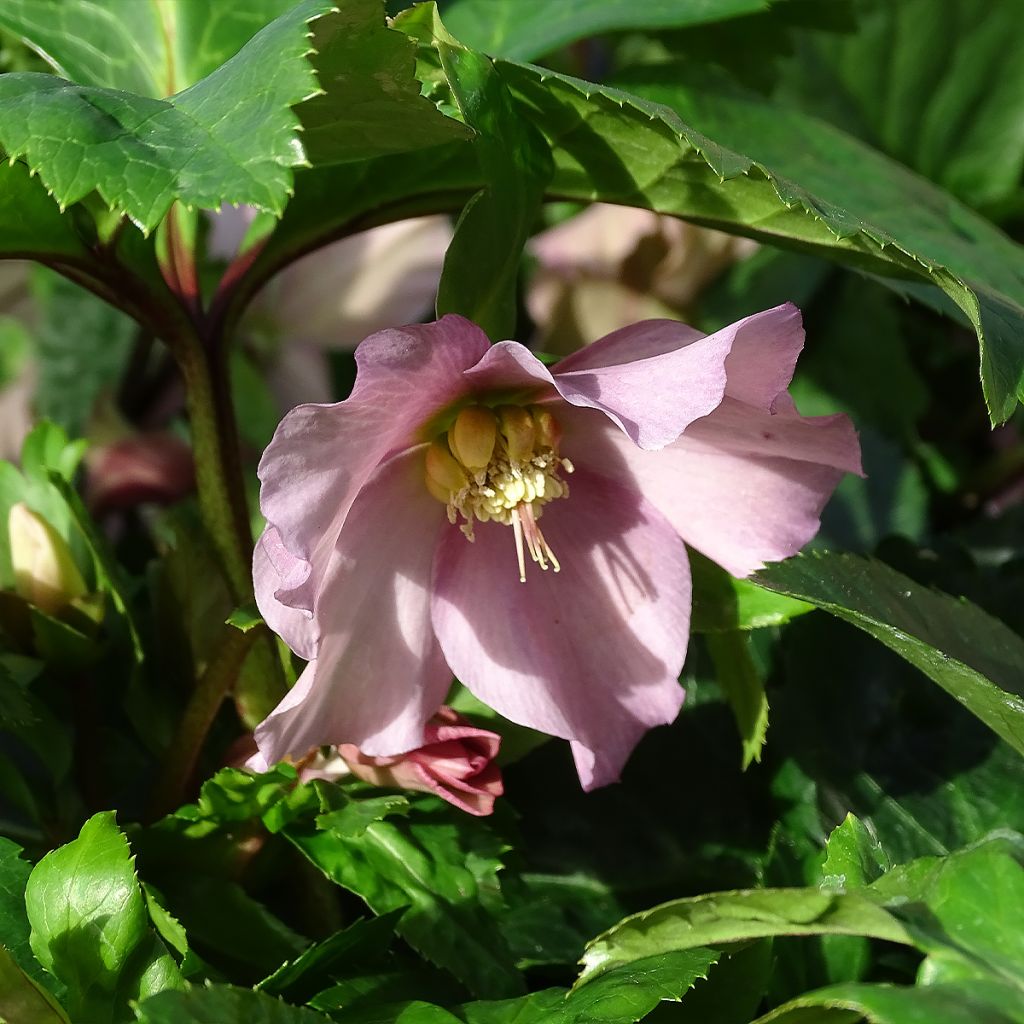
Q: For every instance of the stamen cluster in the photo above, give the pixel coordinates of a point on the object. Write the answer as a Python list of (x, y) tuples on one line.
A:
[(501, 465)]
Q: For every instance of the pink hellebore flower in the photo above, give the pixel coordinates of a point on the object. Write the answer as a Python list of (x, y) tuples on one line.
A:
[(399, 522), (456, 762)]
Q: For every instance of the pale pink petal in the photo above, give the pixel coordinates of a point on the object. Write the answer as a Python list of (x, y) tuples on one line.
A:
[(275, 569), (509, 366), (742, 486), (656, 377), (321, 455), (764, 355), (592, 653), (379, 673), (642, 340)]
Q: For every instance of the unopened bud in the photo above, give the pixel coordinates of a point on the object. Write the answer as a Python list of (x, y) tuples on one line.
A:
[(45, 573), (472, 437), (518, 431)]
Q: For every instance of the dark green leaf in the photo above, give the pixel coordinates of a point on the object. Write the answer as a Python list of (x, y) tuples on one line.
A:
[(528, 29), (309, 973), (90, 927), (722, 603), (742, 682), (971, 655), (14, 926), (223, 1004), (734, 161), (887, 1004), (231, 137), (152, 49), (82, 345), (443, 869), (371, 103), (31, 224), (481, 267), (953, 103), (964, 907), (738, 916)]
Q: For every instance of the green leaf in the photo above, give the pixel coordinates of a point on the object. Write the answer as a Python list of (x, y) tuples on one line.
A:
[(481, 267), (964, 907), (722, 603), (971, 655), (22, 1000), (14, 926), (441, 868), (151, 48), (371, 102), (734, 161), (82, 345), (222, 1004), (90, 927), (953, 106), (245, 618), (742, 682), (720, 918), (528, 29), (31, 224), (853, 856), (231, 137), (303, 977), (889, 1004)]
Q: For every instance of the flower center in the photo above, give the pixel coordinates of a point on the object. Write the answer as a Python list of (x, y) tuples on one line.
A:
[(501, 465)]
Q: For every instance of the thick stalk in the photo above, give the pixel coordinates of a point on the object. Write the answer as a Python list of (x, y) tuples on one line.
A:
[(213, 686), (219, 480)]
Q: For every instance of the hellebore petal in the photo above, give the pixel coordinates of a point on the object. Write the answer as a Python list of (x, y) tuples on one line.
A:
[(322, 455), (742, 486), (379, 674), (592, 653), (275, 569), (634, 374)]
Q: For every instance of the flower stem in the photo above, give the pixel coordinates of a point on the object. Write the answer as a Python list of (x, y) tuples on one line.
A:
[(213, 686), (219, 480)]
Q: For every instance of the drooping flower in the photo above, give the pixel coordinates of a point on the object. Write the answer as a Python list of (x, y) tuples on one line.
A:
[(456, 762), (467, 510), (336, 296), (611, 266)]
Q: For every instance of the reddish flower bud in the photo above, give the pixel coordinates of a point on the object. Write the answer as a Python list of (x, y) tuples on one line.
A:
[(144, 468)]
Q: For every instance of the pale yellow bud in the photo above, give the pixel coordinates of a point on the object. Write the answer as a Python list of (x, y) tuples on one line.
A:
[(444, 475), (518, 431), (472, 437), (45, 573)]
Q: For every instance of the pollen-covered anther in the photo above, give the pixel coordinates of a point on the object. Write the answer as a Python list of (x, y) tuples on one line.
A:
[(501, 466)]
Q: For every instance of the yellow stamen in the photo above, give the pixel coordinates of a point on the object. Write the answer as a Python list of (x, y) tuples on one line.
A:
[(472, 437), (504, 467), (518, 430)]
